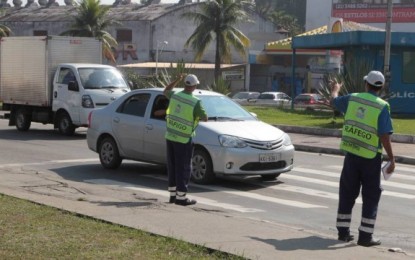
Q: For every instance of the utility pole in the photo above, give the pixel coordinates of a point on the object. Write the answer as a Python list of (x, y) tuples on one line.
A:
[(386, 63)]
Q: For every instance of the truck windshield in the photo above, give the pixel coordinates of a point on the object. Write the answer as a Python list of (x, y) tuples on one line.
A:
[(94, 78)]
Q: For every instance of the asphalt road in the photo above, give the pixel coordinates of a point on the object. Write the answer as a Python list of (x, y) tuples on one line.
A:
[(306, 197)]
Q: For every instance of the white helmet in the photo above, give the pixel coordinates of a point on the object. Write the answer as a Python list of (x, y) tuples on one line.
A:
[(191, 80)]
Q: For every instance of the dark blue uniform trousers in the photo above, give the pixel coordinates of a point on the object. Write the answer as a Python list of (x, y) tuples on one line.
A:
[(179, 158), (365, 173)]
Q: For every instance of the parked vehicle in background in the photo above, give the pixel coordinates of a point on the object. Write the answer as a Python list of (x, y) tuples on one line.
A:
[(231, 142), (243, 97), (311, 101), (279, 99), (56, 80)]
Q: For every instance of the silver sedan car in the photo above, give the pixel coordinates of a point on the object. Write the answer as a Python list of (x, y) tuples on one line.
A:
[(231, 142)]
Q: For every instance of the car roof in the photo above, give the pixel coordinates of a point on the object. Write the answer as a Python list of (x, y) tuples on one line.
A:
[(272, 92), (197, 92)]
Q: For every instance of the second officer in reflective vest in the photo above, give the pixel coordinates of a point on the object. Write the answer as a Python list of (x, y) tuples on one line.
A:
[(182, 116), (367, 127)]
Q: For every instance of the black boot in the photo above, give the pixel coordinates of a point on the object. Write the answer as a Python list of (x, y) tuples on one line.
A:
[(185, 202), (368, 242), (346, 237)]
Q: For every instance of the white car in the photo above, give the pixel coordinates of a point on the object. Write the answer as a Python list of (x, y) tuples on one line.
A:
[(278, 99), (232, 142), (244, 97)]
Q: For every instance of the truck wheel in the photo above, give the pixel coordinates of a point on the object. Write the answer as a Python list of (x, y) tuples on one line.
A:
[(202, 169), (65, 125), (23, 120), (108, 153)]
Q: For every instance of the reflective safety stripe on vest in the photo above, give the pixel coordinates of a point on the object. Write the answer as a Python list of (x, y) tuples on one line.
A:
[(179, 117), (360, 129)]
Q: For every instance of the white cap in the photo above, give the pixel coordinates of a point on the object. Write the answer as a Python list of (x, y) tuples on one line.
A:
[(191, 80), (375, 78)]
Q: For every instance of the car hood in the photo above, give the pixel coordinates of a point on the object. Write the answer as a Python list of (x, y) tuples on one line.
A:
[(252, 130), (103, 97)]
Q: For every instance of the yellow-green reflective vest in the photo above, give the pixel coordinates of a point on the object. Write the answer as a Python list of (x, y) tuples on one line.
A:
[(360, 129), (179, 117)]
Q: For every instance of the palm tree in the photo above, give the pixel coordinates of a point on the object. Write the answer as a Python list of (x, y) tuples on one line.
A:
[(92, 21), (216, 22), (4, 31)]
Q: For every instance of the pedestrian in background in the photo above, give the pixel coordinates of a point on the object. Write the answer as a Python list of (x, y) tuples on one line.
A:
[(182, 116), (367, 127)]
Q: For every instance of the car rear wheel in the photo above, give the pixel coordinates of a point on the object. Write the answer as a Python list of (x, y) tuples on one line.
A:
[(23, 120), (108, 154), (202, 169), (270, 177)]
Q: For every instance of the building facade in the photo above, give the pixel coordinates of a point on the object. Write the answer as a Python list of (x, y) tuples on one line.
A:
[(370, 12), (147, 33)]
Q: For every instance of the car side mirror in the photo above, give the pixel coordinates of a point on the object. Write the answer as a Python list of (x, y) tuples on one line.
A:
[(73, 86)]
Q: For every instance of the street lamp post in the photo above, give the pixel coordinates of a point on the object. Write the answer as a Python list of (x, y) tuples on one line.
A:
[(386, 63), (157, 52)]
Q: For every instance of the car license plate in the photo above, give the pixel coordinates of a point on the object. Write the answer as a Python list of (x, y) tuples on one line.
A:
[(269, 157)]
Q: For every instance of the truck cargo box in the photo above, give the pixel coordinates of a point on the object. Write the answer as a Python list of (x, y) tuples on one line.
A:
[(27, 65)]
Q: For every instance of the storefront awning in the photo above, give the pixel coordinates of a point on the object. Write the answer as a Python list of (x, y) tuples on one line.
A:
[(284, 46)]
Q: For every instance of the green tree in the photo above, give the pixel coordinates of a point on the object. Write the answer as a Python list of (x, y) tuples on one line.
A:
[(92, 21), (286, 21), (4, 31), (216, 23), (288, 14)]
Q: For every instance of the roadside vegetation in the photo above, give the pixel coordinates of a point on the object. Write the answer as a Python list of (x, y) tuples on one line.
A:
[(32, 231), (322, 119)]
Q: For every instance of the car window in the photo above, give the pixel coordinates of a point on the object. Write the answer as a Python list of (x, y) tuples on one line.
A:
[(66, 75), (159, 107), (303, 98), (241, 95), (266, 96), (135, 105)]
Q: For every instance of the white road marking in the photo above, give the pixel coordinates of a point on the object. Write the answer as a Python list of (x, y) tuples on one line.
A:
[(164, 193), (309, 192), (389, 183), (256, 196), (49, 162), (400, 172), (335, 184)]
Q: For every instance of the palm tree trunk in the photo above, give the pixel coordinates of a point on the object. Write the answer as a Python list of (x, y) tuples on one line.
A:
[(217, 60)]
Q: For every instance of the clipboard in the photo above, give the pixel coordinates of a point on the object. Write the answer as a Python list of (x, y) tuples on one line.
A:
[(386, 175)]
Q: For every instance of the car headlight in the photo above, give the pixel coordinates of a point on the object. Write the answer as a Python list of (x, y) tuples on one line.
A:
[(87, 101), (231, 141), (286, 140)]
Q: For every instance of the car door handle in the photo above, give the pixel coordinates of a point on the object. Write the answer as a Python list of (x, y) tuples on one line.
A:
[(149, 127), (116, 120)]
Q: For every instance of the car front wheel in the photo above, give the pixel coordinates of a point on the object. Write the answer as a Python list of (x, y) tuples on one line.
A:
[(108, 154), (202, 169)]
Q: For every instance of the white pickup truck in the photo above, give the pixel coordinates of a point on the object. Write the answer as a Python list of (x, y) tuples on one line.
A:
[(55, 80)]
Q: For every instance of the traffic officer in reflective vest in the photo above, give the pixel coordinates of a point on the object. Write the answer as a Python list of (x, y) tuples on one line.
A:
[(182, 116), (367, 127)]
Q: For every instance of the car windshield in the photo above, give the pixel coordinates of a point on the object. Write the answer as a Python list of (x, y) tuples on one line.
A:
[(94, 78), (303, 98), (223, 108)]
